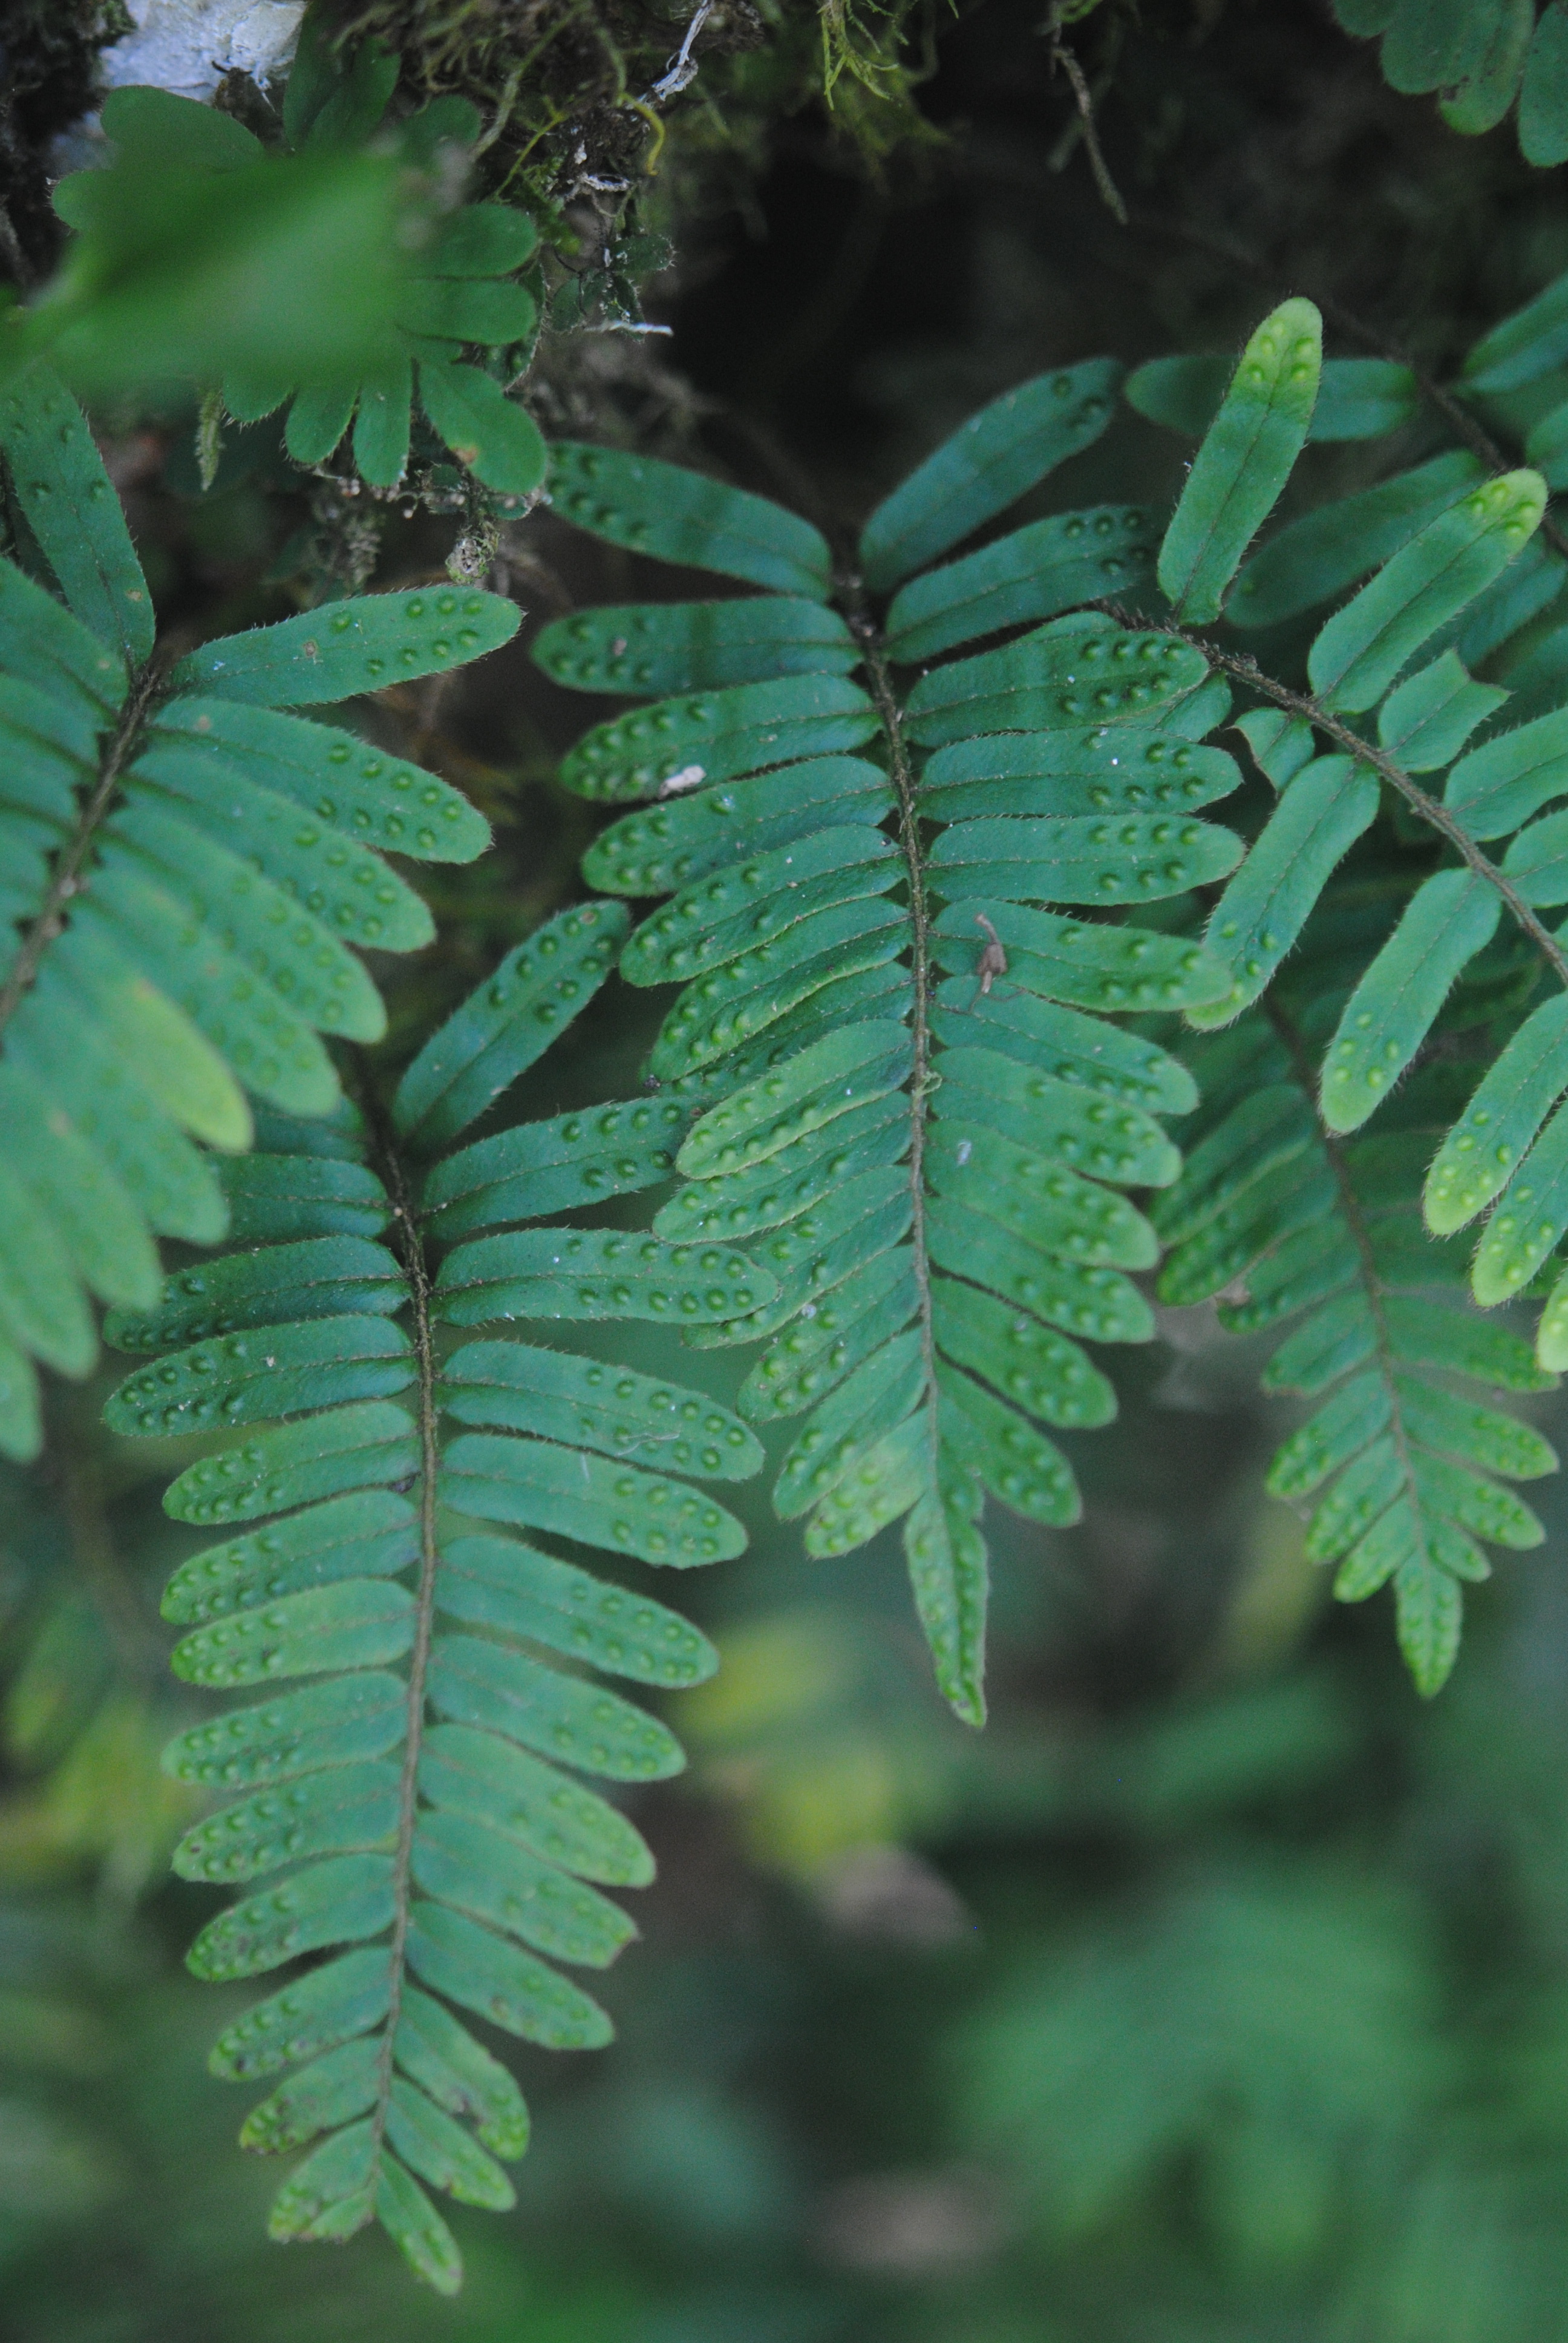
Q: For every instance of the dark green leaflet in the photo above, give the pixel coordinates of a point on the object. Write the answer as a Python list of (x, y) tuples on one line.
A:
[(1326, 807), (1543, 91), (1120, 770), (547, 1167), (1361, 651), (718, 735), (356, 789), (410, 1783), (674, 515), (1072, 672), (1317, 557), (1437, 45), (671, 648), (1479, 56), (989, 462), (1038, 571), (1387, 1016), (344, 648), (683, 838), (506, 1024), (186, 875), (73, 511), (1427, 720), (924, 1310)]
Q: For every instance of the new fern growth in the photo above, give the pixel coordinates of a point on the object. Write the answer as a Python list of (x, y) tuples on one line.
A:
[(413, 1788), (183, 873), (911, 1102)]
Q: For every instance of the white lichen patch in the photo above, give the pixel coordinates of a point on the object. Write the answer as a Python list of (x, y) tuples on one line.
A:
[(188, 46)]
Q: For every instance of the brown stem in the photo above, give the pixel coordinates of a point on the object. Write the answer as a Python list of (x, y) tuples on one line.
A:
[(1241, 665), (902, 774), (67, 881), (410, 1250), (1083, 97)]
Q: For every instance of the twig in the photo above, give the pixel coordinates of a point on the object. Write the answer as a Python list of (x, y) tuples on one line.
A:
[(508, 99), (1060, 55), (12, 254), (683, 69)]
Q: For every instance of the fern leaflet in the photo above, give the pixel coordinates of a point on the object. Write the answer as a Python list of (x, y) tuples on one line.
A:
[(1484, 58)]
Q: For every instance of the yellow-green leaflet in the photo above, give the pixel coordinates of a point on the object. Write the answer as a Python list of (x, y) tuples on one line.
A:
[(1245, 460)]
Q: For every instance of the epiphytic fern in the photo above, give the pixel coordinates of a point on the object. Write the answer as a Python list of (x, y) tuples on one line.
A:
[(911, 1103), (182, 874), (1274, 1196), (460, 295), (412, 1792)]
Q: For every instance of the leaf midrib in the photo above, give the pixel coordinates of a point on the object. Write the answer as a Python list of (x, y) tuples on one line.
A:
[(903, 778), (49, 920), (410, 1248)]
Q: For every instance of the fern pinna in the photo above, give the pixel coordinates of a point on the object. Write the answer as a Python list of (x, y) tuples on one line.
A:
[(906, 911), (416, 1789), (1288, 1222), (1279, 1205), (183, 872)]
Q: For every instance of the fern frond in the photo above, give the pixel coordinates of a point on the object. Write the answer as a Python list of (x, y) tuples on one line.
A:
[(1277, 1208), (410, 1791), (1463, 569), (1362, 660), (1279, 1213), (897, 913), (1256, 2028), (183, 872)]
